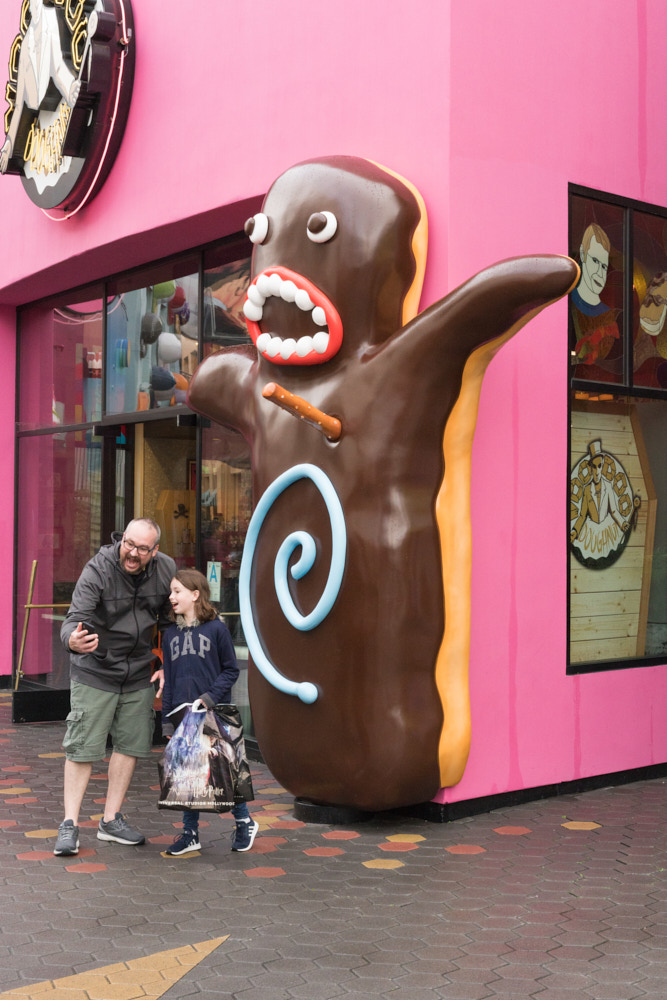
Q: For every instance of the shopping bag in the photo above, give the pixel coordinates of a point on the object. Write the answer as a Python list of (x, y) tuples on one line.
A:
[(204, 762), (193, 773), (230, 727)]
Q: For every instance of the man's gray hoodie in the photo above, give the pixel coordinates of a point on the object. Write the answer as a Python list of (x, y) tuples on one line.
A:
[(123, 609)]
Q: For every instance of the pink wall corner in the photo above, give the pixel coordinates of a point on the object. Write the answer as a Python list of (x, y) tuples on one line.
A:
[(527, 118), (7, 409)]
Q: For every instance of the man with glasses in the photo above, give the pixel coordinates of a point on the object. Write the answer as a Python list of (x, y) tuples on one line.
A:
[(121, 595)]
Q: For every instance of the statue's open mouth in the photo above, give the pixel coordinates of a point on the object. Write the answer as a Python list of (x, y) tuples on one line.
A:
[(306, 349)]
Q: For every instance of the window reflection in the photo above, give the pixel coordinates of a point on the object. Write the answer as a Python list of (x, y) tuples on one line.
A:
[(226, 509), (152, 333), (59, 530), (225, 287), (61, 362)]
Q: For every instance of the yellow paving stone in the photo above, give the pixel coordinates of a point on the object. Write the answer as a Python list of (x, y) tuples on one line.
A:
[(148, 978), (41, 834), (46, 990), (379, 863), (177, 857), (277, 808), (107, 989), (581, 825), (14, 791), (271, 791), (405, 838), (42, 755)]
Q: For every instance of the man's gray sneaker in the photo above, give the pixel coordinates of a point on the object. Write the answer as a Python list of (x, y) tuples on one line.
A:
[(120, 831), (68, 838)]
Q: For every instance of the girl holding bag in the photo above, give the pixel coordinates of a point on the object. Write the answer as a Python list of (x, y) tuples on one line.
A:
[(199, 669)]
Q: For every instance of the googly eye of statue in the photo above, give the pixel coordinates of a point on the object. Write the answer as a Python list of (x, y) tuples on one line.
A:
[(257, 228), (322, 226)]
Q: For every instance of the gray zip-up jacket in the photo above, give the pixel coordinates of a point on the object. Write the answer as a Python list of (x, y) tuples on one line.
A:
[(123, 609)]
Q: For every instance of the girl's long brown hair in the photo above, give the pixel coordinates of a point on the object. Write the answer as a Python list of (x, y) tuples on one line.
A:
[(192, 579)]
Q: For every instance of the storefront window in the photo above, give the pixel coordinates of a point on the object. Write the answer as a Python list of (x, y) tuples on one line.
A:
[(58, 531), (152, 337), (225, 286), (618, 439), (119, 356), (61, 377)]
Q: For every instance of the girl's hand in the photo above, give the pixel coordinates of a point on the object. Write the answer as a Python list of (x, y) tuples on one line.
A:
[(198, 705)]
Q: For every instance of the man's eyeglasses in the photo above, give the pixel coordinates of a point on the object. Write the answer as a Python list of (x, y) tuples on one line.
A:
[(142, 550)]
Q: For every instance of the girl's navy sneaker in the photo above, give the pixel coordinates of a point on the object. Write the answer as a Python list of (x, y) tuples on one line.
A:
[(244, 834), (188, 841)]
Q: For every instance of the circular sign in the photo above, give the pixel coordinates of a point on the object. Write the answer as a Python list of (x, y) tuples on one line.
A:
[(602, 505), (71, 69)]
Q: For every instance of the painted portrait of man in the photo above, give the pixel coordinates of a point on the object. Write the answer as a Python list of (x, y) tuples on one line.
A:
[(595, 323)]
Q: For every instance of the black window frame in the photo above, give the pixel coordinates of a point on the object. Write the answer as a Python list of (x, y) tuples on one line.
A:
[(622, 389)]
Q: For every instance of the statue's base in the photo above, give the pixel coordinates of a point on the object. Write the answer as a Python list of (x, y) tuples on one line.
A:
[(320, 812)]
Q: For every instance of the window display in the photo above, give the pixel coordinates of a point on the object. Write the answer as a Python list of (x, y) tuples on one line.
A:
[(618, 435)]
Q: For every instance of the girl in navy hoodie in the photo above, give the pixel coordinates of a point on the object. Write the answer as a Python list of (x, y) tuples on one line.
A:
[(199, 669)]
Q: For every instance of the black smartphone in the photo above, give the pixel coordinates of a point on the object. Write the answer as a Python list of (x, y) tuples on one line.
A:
[(91, 629)]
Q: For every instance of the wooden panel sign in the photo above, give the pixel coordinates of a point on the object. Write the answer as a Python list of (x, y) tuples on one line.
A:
[(612, 525)]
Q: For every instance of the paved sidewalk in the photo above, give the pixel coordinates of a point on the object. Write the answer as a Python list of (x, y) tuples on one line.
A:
[(560, 899)]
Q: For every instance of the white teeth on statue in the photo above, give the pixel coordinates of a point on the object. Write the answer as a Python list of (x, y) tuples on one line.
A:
[(287, 348), (256, 296), (304, 346), (272, 285)]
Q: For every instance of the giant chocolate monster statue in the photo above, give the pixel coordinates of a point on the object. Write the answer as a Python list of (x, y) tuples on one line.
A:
[(360, 414)]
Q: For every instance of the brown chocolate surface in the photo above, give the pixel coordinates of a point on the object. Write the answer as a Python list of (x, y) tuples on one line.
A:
[(371, 738)]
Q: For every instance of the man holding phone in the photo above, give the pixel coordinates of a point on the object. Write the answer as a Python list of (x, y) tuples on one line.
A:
[(121, 595)]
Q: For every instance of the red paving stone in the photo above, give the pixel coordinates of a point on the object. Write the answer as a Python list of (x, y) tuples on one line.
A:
[(84, 852), (341, 835), (512, 831), (86, 868), (466, 849), (265, 872)]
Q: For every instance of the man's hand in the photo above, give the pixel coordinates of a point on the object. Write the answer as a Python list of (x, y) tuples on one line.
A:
[(158, 676), (82, 641)]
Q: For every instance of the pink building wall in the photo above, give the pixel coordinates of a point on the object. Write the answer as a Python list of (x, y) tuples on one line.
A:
[(490, 110)]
